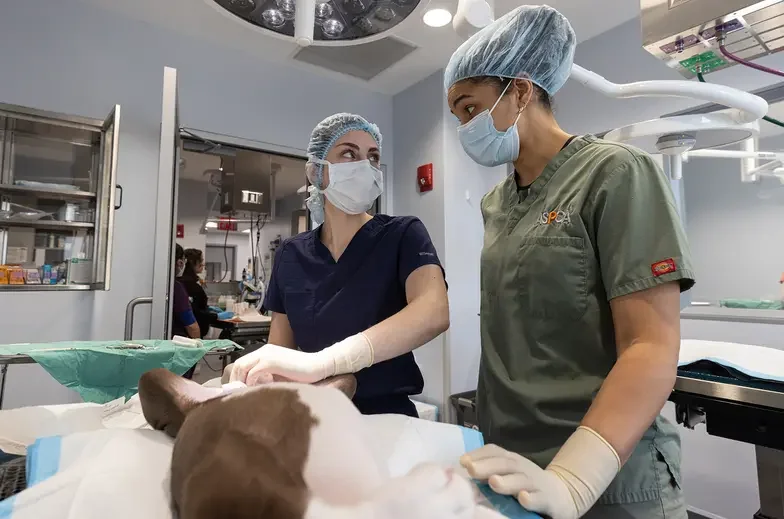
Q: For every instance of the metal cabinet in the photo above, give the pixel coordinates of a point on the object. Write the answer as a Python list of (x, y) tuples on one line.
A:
[(57, 199)]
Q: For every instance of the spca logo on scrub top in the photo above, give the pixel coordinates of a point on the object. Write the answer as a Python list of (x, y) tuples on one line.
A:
[(555, 217)]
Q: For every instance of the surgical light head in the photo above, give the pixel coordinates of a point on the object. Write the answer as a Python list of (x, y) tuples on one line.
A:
[(530, 42)]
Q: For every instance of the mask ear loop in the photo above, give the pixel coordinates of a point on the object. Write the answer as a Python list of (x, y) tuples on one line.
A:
[(320, 162), (519, 113), (501, 96)]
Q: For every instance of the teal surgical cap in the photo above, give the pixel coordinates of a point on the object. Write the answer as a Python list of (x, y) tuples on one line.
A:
[(531, 42), (324, 136)]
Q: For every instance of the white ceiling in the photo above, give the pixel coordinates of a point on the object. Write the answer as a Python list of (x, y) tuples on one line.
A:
[(200, 19)]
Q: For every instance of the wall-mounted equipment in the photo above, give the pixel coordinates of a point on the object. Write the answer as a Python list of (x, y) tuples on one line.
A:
[(425, 178), (687, 34), (246, 184)]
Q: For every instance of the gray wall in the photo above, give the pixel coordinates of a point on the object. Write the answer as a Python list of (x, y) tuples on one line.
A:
[(82, 60), (418, 128), (466, 184), (426, 133), (733, 229)]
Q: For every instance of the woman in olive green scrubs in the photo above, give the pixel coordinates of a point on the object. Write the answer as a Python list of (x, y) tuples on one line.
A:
[(583, 263)]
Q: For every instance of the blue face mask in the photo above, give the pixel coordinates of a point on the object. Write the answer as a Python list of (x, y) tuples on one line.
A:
[(486, 145)]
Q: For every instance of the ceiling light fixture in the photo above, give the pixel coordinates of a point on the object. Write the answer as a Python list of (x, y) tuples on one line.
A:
[(437, 17), (328, 22)]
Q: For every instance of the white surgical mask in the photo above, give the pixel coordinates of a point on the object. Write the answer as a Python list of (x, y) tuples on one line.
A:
[(485, 144), (353, 186)]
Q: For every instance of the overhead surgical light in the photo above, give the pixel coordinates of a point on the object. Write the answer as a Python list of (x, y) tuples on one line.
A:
[(674, 135), (437, 17), (324, 22), (471, 16)]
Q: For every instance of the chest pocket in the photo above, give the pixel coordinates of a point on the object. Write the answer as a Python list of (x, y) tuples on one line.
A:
[(552, 277)]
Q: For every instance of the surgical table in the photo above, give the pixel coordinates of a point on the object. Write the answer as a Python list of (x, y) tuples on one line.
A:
[(741, 409), (244, 333)]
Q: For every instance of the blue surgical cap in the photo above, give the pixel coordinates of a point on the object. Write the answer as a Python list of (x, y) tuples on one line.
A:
[(327, 132), (324, 136), (530, 42)]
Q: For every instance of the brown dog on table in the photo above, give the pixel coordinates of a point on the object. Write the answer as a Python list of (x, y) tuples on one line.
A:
[(287, 451)]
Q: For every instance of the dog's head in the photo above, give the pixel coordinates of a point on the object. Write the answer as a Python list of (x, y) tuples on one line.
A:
[(237, 455)]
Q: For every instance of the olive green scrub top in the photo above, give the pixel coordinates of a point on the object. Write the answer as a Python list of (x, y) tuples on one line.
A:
[(599, 223)]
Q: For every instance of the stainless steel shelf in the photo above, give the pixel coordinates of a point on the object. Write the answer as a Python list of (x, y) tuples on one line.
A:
[(51, 194), (46, 224), (43, 288)]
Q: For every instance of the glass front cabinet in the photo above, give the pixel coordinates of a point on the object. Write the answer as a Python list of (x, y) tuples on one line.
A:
[(57, 199)]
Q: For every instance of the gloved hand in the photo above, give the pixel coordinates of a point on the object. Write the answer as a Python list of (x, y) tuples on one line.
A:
[(261, 366), (578, 475), (427, 492)]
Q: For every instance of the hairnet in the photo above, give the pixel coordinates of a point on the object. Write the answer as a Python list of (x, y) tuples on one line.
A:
[(324, 136), (531, 42)]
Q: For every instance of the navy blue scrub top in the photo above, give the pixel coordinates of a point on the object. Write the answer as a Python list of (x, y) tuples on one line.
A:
[(327, 301)]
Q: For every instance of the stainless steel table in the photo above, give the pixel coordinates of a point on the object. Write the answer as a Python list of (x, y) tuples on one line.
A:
[(748, 411), (244, 334), (6, 360)]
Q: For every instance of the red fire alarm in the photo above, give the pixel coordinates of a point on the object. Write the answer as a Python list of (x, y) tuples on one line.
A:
[(180, 230), (425, 178)]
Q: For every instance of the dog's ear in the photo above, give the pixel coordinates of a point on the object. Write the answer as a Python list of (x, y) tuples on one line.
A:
[(168, 398), (345, 383)]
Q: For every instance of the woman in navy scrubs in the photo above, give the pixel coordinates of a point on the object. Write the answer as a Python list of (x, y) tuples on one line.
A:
[(358, 293)]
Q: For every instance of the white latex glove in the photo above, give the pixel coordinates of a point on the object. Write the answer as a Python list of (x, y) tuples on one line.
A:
[(427, 492), (269, 361), (578, 475)]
